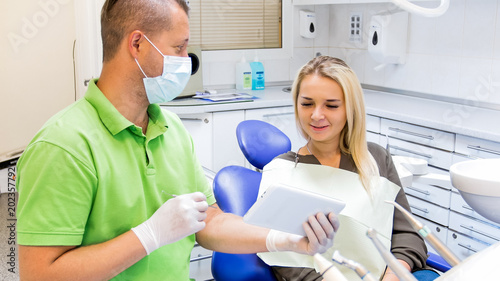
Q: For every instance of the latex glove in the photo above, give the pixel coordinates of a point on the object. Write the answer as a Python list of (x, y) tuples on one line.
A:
[(320, 232), (175, 219)]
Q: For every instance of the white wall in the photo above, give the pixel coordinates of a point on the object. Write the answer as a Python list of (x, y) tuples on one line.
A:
[(36, 65), (456, 55)]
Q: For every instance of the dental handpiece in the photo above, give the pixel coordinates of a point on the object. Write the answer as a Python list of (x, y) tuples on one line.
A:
[(401, 272), (327, 269), (362, 272), (432, 239)]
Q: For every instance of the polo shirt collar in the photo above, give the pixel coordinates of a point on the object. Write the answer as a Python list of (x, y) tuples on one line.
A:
[(114, 121)]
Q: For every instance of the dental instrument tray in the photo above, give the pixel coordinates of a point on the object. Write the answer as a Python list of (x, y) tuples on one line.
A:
[(285, 208)]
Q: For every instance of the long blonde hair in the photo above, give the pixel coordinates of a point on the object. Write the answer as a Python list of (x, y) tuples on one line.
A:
[(353, 135)]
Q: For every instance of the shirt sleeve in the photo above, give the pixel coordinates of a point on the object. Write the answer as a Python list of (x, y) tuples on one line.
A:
[(55, 196), (407, 244)]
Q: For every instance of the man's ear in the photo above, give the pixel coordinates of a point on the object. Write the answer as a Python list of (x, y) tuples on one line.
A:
[(134, 41)]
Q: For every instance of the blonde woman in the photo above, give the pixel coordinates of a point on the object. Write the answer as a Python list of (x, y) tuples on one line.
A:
[(337, 161)]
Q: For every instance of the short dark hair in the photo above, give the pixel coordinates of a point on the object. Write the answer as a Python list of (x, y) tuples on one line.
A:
[(119, 17)]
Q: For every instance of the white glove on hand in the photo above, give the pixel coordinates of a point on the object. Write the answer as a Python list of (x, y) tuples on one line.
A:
[(320, 232), (175, 219)]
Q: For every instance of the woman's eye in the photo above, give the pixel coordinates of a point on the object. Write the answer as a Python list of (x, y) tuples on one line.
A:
[(332, 106), (306, 104)]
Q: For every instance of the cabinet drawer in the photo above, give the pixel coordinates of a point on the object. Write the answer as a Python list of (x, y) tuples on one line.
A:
[(200, 128), (373, 124), (428, 210), (459, 205), (418, 134), (464, 246), (474, 228), (435, 157), (372, 137), (201, 262), (427, 192), (477, 147), (440, 231)]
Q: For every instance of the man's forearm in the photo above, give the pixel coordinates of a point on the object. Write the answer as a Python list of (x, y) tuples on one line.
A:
[(96, 262), (229, 234)]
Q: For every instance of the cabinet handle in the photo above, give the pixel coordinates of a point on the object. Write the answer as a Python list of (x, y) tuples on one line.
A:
[(478, 148), (468, 247), (419, 190), (397, 130), (471, 228), (277, 114), (411, 151), (205, 120), (423, 210), (199, 258)]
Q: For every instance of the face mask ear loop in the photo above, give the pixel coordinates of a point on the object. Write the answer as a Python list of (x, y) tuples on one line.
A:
[(141, 68), (153, 45)]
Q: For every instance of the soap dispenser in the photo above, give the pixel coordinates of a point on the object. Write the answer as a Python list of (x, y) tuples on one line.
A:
[(243, 75), (258, 78), (307, 23), (388, 38)]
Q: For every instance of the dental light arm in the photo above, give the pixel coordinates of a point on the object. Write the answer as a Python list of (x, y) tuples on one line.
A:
[(426, 12)]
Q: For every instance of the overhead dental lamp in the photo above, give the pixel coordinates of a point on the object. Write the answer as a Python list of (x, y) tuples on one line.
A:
[(426, 12)]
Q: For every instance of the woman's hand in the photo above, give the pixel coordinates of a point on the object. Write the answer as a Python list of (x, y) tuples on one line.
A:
[(320, 231)]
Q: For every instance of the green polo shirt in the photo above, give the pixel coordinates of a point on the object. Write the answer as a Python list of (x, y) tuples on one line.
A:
[(90, 175)]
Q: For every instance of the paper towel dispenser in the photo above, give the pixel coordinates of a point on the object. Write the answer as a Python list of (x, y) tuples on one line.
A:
[(388, 36)]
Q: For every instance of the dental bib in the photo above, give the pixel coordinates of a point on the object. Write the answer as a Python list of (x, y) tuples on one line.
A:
[(362, 211)]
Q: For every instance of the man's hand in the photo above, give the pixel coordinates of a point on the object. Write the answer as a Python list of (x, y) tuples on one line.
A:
[(175, 219), (320, 232)]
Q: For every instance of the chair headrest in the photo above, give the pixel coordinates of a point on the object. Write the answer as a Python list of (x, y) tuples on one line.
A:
[(261, 142)]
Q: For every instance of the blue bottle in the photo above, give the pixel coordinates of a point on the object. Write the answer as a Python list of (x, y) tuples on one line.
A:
[(258, 80)]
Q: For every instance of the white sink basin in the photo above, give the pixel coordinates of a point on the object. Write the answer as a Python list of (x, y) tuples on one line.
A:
[(479, 184)]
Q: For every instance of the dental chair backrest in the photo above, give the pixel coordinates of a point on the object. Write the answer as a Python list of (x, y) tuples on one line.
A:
[(260, 142)]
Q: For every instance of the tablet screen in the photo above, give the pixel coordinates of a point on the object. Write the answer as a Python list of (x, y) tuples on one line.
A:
[(285, 208)]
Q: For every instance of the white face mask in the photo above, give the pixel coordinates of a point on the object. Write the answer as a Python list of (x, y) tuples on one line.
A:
[(173, 80)]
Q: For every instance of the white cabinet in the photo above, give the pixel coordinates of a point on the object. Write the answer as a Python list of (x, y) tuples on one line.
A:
[(418, 134), (477, 148), (464, 246), (225, 145), (201, 264), (214, 134), (432, 145), (428, 210), (200, 128), (474, 228), (373, 123)]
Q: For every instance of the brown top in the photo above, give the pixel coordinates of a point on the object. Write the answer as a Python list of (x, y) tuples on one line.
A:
[(407, 244)]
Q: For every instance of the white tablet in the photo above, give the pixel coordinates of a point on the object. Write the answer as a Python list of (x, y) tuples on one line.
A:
[(285, 208)]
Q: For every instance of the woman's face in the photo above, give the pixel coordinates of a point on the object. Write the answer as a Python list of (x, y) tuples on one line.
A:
[(321, 108)]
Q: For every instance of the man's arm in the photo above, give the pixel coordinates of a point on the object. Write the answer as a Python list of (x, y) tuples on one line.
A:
[(97, 262), (175, 219), (228, 233)]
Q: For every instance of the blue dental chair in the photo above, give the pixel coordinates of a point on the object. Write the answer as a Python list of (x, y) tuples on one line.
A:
[(236, 189)]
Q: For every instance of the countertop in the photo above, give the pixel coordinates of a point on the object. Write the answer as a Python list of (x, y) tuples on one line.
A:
[(446, 116)]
